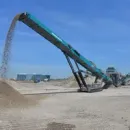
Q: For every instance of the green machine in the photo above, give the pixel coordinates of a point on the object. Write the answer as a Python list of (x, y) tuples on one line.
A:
[(69, 52)]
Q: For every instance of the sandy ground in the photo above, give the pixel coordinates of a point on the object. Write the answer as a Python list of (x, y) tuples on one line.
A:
[(62, 108)]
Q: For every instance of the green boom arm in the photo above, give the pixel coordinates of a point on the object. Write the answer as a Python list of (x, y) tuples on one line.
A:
[(40, 28)]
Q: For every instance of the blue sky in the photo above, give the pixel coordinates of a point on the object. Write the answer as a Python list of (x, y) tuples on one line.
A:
[(98, 29)]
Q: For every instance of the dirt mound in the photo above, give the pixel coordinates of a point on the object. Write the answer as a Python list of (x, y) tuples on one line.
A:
[(9, 97), (71, 82)]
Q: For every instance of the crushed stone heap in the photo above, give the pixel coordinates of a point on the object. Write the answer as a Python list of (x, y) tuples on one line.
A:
[(9, 97)]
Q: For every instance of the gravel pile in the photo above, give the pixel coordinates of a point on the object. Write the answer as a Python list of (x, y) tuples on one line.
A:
[(9, 97)]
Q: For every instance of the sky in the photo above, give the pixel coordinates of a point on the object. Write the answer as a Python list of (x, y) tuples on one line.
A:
[(98, 29)]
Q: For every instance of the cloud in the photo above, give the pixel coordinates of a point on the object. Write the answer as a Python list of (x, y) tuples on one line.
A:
[(122, 50), (4, 20), (28, 34), (96, 29), (66, 19), (104, 27), (101, 58), (74, 23), (63, 70), (1, 45), (1, 41), (2, 10)]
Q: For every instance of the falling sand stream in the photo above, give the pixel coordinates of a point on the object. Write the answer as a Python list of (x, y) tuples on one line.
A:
[(7, 48)]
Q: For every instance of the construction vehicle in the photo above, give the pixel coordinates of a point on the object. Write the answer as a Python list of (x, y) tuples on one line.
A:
[(36, 78), (126, 79), (69, 52), (115, 76), (118, 79)]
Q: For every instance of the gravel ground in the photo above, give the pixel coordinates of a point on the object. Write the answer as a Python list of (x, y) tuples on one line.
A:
[(105, 110)]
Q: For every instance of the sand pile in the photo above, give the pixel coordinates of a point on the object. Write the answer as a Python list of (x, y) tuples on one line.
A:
[(9, 97), (71, 82)]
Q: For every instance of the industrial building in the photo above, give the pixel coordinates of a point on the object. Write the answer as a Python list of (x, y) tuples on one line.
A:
[(21, 77), (34, 77)]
